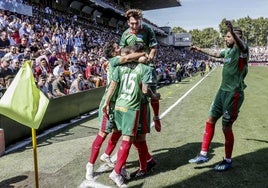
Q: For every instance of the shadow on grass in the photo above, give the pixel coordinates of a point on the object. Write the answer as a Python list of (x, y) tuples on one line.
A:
[(56, 134), (8, 182), (249, 170), (257, 140), (172, 158)]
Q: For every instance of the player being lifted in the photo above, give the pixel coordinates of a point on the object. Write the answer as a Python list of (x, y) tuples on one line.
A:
[(143, 34)]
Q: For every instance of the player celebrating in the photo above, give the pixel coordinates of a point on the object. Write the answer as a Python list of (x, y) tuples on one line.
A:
[(107, 124), (143, 34), (128, 79), (230, 95)]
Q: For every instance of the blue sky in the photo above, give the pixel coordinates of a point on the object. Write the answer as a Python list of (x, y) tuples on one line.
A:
[(200, 14)]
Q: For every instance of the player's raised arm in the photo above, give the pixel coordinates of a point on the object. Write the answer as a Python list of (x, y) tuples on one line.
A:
[(236, 32), (205, 51)]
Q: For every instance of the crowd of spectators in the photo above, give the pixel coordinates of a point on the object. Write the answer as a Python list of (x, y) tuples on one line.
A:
[(259, 54), (67, 52), (60, 49)]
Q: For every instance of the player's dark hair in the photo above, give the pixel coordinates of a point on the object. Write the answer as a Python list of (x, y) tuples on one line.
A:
[(108, 49)]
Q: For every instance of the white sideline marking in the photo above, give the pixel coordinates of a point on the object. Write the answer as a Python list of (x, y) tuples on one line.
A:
[(87, 184), (104, 167), (28, 141), (180, 99)]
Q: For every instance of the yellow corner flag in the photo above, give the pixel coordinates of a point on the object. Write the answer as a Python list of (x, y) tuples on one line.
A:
[(23, 101)]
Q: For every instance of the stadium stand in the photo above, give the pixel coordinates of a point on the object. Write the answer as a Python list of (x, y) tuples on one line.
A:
[(67, 42)]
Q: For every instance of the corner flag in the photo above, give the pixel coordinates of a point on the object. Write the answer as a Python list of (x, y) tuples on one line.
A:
[(23, 101)]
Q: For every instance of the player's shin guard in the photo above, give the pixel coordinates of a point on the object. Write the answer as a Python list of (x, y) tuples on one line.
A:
[(142, 151), (95, 149), (112, 142), (122, 155), (207, 136), (229, 143)]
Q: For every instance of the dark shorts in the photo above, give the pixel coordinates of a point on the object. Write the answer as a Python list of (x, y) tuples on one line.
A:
[(226, 105), (106, 123), (145, 119), (153, 85)]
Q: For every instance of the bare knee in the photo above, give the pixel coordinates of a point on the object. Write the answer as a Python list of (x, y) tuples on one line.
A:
[(102, 134), (211, 120)]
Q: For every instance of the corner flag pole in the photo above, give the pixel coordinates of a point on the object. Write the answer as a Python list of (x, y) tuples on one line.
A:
[(29, 111), (35, 157)]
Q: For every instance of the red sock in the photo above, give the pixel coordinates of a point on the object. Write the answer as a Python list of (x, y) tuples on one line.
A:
[(155, 106), (142, 151), (122, 155), (207, 136), (229, 143), (95, 149), (112, 142)]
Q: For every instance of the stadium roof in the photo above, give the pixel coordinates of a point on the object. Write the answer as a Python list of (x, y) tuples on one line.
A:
[(139, 4), (153, 4), (106, 10)]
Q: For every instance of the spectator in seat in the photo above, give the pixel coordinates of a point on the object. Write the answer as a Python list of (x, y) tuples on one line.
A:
[(8, 80), (60, 87), (52, 58), (41, 84), (74, 70), (78, 84), (23, 32), (13, 53), (91, 75), (43, 68), (4, 44), (59, 68), (23, 44), (35, 47), (4, 69), (48, 84), (15, 66), (26, 55)]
